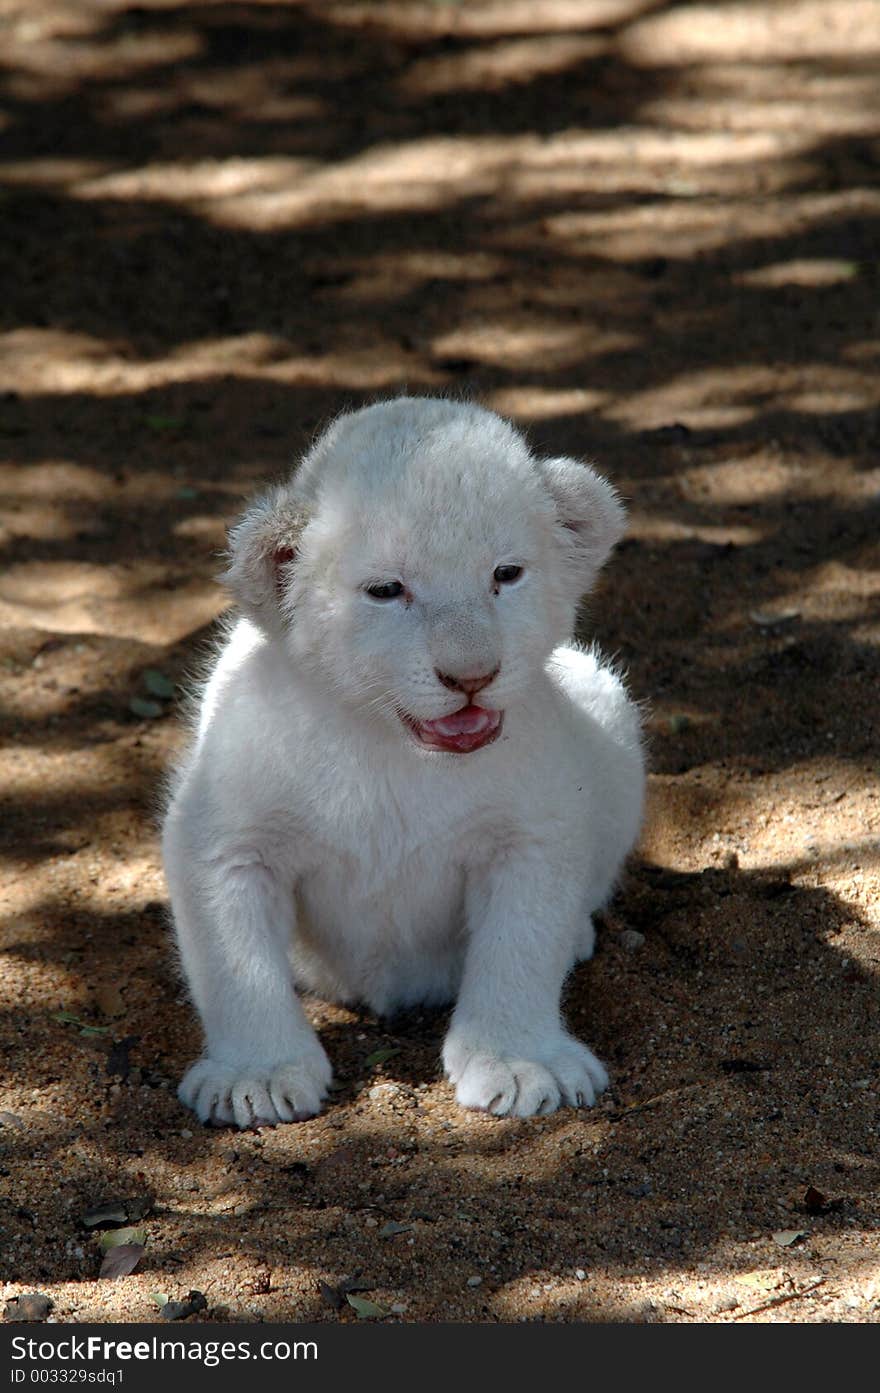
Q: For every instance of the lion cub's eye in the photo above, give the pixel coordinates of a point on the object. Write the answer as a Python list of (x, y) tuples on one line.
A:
[(385, 590), (506, 575)]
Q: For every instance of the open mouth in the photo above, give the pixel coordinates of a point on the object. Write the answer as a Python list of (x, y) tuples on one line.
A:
[(461, 733)]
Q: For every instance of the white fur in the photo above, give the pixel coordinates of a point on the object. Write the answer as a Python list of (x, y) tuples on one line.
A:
[(310, 838)]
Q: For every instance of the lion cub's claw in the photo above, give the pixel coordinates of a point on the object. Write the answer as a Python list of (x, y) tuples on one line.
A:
[(224, 1096), (565, 1074)]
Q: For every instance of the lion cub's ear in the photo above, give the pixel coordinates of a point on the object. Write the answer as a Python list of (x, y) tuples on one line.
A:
[(263, 548), (592, 518)]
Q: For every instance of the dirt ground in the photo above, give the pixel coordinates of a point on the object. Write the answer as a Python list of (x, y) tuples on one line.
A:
[(649, 233)]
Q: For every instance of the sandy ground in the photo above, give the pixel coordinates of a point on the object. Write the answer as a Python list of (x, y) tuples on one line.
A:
[(648, 232)]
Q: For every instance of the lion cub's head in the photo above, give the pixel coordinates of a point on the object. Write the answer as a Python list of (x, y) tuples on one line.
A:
[(421, 564)]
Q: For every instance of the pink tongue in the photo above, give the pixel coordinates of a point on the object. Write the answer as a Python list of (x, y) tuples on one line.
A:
[(471, 720)]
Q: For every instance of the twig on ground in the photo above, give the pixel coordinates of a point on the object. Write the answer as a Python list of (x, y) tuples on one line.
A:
[(780, 1300)]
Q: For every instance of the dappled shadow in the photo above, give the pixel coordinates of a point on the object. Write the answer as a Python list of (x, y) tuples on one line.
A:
[(745, 995), (648, 236)]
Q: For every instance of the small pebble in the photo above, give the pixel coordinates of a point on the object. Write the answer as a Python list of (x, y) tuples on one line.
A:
[(383, 1091), (186, 1133), (475, 1281), (631, 940), (580, 1274), (727, 1303)]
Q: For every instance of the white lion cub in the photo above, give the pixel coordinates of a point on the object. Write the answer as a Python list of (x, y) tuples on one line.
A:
[(407, 784)]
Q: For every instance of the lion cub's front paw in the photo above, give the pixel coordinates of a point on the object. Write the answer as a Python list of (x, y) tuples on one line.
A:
[(562, 1071), (223, 1095)]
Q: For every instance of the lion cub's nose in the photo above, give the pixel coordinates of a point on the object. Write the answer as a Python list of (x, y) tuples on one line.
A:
[(469, 685)]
